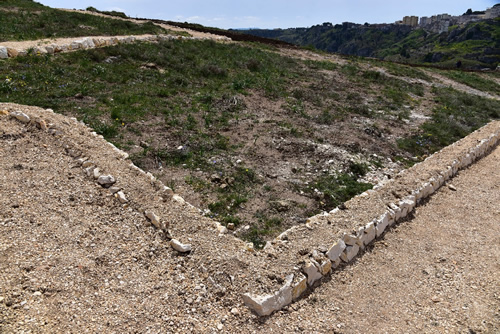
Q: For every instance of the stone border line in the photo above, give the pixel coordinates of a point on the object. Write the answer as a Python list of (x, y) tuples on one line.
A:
[(346, 248), (85, 43), (343, 249)]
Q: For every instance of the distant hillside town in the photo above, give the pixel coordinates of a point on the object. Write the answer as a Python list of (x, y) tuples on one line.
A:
[(441, 23)]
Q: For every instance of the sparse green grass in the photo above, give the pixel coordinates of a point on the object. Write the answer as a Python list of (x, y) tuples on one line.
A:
[(456, 116), (265, 226), (194, 91), (29, 20), (337, 189)]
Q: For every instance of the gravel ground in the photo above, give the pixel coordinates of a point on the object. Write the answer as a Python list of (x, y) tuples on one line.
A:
[(75, 259)]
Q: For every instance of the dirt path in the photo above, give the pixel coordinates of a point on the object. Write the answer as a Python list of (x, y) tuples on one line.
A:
[(193, 33), (444, 81)]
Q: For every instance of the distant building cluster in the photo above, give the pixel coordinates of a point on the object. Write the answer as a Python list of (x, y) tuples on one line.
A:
[(441, 23)]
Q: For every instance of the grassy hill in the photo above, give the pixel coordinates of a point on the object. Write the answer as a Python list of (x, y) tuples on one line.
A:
[(476, 44), (28, 20), (259, 136)]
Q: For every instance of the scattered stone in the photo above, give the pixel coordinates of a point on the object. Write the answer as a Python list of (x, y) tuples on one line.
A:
[(235, 311), (180, 247), (106, 180), (87, 164), (97, 173), (121, 197), (155, 220), (230, 226), (322, 249), (281, 205), (222, 229), (144, 144), (4, 112), (42, 125), (22, 117), (452, 187), (249, 247), (37, 293)]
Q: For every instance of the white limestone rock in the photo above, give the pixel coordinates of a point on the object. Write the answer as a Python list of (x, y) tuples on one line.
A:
[(312, 270), (382, 223), (367, 233), (97, 173), (155, 220), (350, 239), (20, 116), (179, 246), (121, 197), (3, 52), (299, 286), (265, 305), (349, 253), (337, 248), (325, 267), (178, 199)]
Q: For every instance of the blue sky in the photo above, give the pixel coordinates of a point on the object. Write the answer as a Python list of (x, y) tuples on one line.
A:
[(277, 13)]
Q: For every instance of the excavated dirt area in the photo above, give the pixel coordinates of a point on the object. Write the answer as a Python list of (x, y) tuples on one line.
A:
[(73, 258)]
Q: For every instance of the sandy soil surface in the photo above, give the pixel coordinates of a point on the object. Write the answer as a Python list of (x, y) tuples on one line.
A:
[(75, 259)]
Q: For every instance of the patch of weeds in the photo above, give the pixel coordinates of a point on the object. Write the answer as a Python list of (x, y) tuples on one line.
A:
[(326, 117), (265, 226), (456, 115), (377, 162), (350, 70), (230, 198), (321, 65), (332, 190), (295, 107), (198, 184)]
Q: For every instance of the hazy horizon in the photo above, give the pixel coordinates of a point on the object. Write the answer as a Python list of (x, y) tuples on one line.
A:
[(278, 13)]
